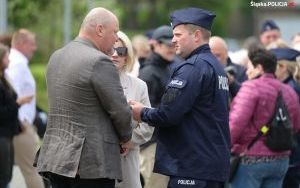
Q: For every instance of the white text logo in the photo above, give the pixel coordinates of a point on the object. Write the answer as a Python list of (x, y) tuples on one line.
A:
[(273, 4), (186, 182)]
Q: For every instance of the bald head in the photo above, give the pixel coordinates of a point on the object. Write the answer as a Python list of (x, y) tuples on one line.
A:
[(97, 16), (219, 48), (100, 26)]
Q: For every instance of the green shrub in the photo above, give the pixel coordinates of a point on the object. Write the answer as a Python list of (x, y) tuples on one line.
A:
[(38, 71)]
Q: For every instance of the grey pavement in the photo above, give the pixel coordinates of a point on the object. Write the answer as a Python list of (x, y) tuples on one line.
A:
[(17, 179)]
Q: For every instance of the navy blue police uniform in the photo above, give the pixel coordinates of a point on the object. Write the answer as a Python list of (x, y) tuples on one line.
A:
[(193, 145)]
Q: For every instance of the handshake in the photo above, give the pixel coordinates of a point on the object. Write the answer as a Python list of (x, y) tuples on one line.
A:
[(136, 108)]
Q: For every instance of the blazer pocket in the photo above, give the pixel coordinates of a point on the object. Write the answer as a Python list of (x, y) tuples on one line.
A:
[(111, 139)]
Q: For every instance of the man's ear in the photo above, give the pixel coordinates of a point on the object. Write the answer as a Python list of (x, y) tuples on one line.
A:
[(198, 36), (99, 30)]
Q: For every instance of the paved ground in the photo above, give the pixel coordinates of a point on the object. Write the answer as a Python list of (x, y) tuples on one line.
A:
[(17, 180)]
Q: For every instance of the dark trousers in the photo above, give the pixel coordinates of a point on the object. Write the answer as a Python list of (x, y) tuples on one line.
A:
[(6, 161), (181, 182), (58, 181), (292, 178)]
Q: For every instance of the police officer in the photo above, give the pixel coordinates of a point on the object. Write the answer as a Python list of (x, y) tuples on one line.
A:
[(286, 64), (193, 137), (269, 32)]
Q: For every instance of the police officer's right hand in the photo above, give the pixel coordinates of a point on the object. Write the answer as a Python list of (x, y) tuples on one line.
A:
[(136, 109)]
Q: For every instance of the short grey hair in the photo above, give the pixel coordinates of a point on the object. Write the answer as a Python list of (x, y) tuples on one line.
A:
[(205, 33), (21, 36)]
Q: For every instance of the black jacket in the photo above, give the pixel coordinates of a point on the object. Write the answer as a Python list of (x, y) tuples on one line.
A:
[(155, 73), (238, 71), (9, 123)]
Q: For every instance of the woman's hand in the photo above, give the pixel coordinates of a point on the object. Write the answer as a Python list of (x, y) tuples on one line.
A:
[(23, 100)]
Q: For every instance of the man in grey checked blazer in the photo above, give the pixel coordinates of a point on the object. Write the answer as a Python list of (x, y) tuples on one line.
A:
[(89, 117)]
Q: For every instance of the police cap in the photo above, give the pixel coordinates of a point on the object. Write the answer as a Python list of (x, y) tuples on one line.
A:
[(269, 25), (288, 54), (195, 16)]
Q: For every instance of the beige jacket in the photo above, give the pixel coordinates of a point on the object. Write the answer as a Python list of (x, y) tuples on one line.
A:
[(134, 89)]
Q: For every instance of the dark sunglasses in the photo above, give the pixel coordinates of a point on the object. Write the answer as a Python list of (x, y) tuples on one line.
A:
[(121, 51)]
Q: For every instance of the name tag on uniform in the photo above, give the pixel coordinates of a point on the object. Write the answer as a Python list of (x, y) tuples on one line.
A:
[(223, 83), (177, 83)]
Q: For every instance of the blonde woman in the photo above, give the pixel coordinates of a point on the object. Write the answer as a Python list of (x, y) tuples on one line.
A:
[(134, 89), (287, 69), (288, 64)]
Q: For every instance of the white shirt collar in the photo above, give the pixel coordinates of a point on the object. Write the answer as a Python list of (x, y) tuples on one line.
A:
[(16, 54)]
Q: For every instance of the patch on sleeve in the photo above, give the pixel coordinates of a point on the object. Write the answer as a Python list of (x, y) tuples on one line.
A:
[(173, 90), (177, 83)]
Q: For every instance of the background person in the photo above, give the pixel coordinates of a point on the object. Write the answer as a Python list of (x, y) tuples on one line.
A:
[(251, 109), (141, 50), (219, 48), (25, 144), (296, 41), (269, 32), (236, 73), (286, 71), (9, 123), (156, 72), (6, 40)]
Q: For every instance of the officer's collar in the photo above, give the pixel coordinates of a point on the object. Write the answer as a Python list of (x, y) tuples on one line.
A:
[(200, 49)]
